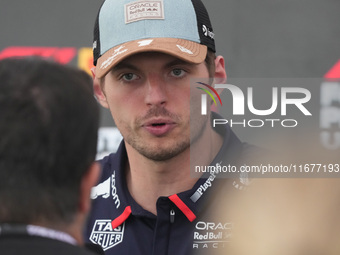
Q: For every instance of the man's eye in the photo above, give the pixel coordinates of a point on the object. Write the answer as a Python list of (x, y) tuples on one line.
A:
[(129, 77), (178, 72)]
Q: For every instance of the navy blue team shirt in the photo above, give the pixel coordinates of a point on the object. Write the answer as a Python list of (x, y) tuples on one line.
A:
[(186, 222)]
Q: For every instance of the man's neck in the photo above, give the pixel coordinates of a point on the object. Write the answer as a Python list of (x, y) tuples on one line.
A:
[(147, 180)]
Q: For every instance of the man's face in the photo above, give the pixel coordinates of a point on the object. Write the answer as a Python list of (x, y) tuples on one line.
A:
[(148, 95)]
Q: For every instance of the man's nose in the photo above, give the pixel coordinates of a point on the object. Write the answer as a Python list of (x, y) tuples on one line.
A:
[(156, 91)]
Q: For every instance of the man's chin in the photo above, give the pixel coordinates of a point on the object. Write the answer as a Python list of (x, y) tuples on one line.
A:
[(162, 152), (160, 157)]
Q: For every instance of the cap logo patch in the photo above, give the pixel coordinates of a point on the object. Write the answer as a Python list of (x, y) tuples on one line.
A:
[(114, 55), (207, 32), (183, 49), (144, 9), (144, 43)]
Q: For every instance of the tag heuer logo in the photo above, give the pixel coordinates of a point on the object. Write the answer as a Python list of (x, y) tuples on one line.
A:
[(103, 234)]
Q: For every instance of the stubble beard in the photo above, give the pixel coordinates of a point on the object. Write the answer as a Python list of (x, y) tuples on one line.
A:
[(176, 146)]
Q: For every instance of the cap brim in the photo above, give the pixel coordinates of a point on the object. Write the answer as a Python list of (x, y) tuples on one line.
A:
[(189, 51)]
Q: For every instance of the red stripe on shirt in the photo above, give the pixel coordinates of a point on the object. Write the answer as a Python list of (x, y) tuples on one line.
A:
[(183, 207)]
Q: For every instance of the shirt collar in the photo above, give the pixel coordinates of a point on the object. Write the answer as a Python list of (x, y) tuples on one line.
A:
[(189, 202), (34, 230)]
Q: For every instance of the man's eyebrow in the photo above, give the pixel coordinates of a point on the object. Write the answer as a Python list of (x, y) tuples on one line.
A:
[(123, 65), (178, 62)]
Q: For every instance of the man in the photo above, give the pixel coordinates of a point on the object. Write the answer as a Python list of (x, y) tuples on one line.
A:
[(49, 123), (146, 54)]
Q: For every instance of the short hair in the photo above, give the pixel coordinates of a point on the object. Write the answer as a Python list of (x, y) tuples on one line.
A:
[(49, 123), (210, 63)]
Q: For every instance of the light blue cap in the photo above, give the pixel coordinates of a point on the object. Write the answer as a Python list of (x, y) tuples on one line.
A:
[(126, 27)]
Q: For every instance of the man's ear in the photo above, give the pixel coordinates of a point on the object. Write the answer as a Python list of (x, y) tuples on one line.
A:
[(98, 89), (89, 180), (220, 76)]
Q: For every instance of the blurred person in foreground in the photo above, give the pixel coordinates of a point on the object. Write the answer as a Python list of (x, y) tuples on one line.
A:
[(297, 214), (285, 217), (49, 124)]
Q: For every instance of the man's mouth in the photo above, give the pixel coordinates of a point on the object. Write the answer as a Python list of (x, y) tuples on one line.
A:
[(157, 124), (159, 127)]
